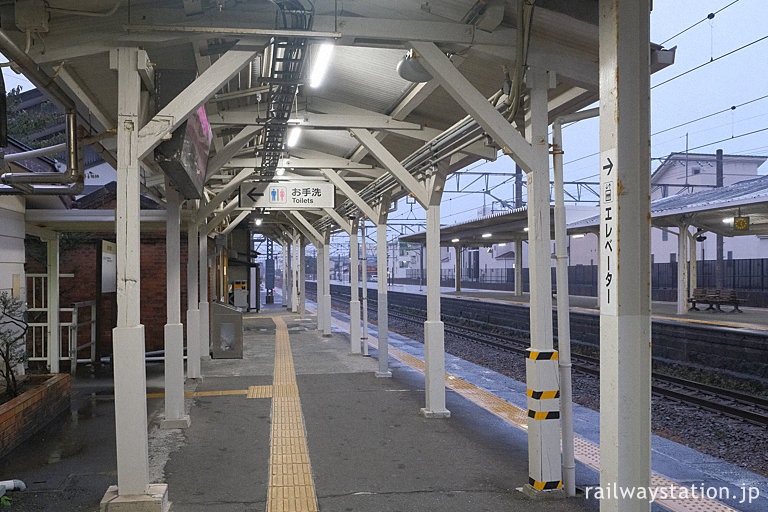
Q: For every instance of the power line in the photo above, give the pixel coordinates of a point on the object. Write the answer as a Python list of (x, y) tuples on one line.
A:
[(732, 137), (710, 61), (707, 17)]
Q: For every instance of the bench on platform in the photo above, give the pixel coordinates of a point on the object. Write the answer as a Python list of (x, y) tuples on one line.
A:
[(715, 298)]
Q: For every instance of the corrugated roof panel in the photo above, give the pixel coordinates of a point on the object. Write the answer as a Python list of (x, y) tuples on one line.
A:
[(365, 78)]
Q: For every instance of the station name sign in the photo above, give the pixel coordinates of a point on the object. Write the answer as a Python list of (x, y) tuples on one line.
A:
[(288, 196)]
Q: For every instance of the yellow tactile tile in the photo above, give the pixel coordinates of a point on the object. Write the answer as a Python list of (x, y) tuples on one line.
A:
[(586, 451), (291, 487), (259, 392)]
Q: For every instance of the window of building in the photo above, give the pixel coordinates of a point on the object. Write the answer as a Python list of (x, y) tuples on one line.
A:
[(664, 236), (696, 170), (730, 255), (672, 257)]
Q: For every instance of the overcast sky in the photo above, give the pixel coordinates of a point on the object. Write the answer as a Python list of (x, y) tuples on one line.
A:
[(728, 81)]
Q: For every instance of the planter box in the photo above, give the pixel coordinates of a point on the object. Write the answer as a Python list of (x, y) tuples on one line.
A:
[(25, 415)]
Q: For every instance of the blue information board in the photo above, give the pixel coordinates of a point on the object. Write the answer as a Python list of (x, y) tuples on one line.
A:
[(269, 275)]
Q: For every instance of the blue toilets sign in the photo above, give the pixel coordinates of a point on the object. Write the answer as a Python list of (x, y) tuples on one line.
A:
[(288, 195)]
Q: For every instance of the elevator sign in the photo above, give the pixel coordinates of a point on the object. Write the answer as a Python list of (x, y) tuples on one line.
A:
[(609, 257), (288, 195)]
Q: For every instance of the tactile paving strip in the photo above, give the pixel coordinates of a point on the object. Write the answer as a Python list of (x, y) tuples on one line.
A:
[(586, 451), (291, 487)]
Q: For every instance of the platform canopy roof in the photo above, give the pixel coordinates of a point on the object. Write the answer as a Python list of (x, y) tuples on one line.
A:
[(69, 41), (712, 210)]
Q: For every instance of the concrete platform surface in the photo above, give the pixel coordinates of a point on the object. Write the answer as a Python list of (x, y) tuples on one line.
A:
[(298, 424)]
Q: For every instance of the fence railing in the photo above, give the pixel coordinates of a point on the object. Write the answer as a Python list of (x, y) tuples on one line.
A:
[(74, 328)]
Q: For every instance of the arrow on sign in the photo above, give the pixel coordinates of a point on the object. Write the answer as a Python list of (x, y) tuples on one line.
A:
[(253, 194), (608, 167)]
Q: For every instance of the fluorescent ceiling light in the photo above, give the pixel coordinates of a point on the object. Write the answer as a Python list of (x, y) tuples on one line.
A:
[(454, 240), (525, 229), (280, 171), (502, 245), (580, 235), (293, 136), (728, 220), (486, 235), (258, 221), (321, 64)]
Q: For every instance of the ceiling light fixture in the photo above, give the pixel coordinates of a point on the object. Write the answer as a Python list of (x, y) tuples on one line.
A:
[(454, 240), (258, 221), (502, 245), (486, 235), (728, 220), (321, 64), (525, 229), (293, 136), (580, 235), (280, 171)]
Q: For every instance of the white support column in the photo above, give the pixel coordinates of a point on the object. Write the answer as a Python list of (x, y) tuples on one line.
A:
[(295, 287), (364, 298), (286, 266), (544, 469), (457, 248), (320, 261), (625, 252), (383, 307), (682, 269), (193, 305), (693, 271), (128, 336), (326, 311), (434, 330), (52, 334), (302, 275), (174, 329), (205, 312), (354, 300), (518, 268)]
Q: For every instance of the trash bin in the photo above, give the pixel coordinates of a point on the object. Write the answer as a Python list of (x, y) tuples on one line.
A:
[(226, 332)]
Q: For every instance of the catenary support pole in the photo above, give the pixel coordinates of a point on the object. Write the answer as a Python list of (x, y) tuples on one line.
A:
[(682, 269), (364, 279), (52, 301), (193, 306), (354, 301), (381, 282), (544, 466), (174, 329), (625, 252), (434, 330), (693, 272), (128, 336), (457, 248), (518, 268)]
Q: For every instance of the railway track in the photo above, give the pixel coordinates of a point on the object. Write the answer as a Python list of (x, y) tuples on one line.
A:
[(740, 406)]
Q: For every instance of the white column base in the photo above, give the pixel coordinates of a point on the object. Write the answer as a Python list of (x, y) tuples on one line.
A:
[(174, 378), (354, 327), (327, 315), (205, 330), (130, 410), (193, 344), (154, 500), (434, 370), (384, 375)]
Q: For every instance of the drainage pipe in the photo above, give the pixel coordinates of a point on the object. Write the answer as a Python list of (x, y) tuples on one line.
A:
[(563, 303), (53, 178)]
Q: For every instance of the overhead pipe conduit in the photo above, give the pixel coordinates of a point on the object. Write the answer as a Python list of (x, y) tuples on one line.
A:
[(47, 183)]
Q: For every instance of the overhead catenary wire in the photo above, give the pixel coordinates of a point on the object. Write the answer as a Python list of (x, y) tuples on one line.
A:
[(709, 16), (727, 54)]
